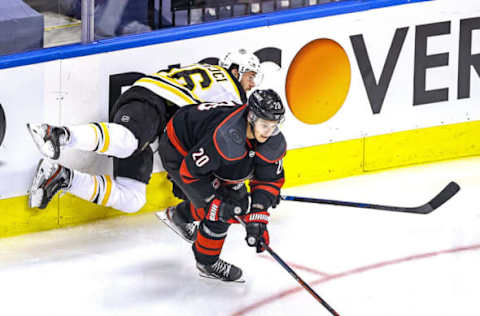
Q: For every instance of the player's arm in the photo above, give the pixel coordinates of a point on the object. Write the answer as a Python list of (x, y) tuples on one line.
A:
[(268, 174), (196, 172), (265, 189), (265, 193), (266, 185)]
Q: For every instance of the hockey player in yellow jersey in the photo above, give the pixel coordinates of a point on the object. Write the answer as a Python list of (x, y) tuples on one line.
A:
[(236, 75), (137, 118)]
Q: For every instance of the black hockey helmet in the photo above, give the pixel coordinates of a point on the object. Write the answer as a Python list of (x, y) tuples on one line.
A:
[(266, 104)]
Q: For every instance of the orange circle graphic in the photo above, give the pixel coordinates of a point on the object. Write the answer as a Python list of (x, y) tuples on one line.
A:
[(318, 81)]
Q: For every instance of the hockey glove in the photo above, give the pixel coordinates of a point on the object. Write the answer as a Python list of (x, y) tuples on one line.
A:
[(220, 210), (235, 194), (257, 233)]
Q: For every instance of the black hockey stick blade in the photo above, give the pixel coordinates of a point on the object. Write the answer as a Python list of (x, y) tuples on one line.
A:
[(450, 190)]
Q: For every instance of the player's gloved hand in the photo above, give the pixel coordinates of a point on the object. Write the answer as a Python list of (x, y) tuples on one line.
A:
[(256, 226), (221, 210), (235, 194)]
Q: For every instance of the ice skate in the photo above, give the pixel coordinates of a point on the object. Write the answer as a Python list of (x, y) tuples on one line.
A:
[(48, 180), (186, 230), (221, 270), (49, 138)]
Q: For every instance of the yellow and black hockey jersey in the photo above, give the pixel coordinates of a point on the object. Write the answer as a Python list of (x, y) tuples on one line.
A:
[(195, 84)]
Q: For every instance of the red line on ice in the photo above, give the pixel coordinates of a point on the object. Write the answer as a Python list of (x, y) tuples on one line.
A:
[(330, 277), (299, 267)]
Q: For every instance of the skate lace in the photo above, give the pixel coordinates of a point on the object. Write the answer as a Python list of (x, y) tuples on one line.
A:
[(221, 267)]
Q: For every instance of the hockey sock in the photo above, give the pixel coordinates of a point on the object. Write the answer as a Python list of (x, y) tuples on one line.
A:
[(124, 194), (105, 138), (209, 242)]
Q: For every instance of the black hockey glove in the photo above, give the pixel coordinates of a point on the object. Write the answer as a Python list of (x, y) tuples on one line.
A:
[(235, 194), (221, 210), (257, 233)]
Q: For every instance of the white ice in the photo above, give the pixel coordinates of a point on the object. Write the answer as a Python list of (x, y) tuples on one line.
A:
[(362, 262)]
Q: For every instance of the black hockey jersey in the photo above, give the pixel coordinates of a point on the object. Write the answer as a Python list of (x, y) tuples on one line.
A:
[(212, 139)]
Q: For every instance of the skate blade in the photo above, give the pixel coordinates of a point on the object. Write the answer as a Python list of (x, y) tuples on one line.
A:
[(162, 216), (39, 177), (35, 193), (45, 148), (206, 276)]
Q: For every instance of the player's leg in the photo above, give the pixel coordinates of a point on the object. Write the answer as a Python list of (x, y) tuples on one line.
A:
[(178, 217), (126, 191), (121, 193), (210, 236), (102, 137), (132, 129), (207, 248)]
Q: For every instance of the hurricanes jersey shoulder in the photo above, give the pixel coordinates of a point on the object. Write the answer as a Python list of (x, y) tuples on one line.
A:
[(193, 84)]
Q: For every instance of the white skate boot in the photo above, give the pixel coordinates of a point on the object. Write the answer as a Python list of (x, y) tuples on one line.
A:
[(48, 180), (49, 138)]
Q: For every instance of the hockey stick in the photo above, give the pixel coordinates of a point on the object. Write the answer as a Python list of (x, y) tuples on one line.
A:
[(293, 274), (450, 190)]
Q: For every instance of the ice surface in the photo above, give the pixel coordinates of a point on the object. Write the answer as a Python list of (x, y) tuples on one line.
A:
[(362, 262)]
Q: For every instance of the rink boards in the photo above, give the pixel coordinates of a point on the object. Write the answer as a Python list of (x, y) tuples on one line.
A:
[(368, 90)]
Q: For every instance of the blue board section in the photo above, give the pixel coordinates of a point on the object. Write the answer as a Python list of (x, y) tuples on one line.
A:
[(191, 31)]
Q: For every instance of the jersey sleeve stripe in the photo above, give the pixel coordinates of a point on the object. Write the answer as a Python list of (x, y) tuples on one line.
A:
[(172, 136), (176, 95), (174, 83), (267, 188), (185, 174), (268, 160), (278, 183)]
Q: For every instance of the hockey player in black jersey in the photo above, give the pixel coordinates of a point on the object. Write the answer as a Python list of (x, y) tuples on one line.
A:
[(136, 120), (210, 150)]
